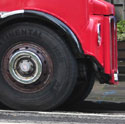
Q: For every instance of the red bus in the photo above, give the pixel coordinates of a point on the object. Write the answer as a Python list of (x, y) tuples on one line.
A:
[(52, 50)]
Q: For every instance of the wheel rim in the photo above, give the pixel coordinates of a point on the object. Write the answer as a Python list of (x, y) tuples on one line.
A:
[(27, 67)]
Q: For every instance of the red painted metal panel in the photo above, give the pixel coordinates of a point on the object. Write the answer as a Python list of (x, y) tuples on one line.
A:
[(102, 7), (82, 16), (110, 48), (10, 5), (90, 38)]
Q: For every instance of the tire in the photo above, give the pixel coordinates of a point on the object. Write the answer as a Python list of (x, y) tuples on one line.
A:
[(83, 86), (38, 71)]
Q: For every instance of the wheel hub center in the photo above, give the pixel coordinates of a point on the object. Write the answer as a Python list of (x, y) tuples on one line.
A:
[(26, 66)]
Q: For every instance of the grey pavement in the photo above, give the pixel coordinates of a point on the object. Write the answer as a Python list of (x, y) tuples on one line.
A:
[(110, 93)]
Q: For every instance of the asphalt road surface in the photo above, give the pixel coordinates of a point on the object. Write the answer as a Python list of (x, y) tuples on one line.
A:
[(105, 105), (60, 117)]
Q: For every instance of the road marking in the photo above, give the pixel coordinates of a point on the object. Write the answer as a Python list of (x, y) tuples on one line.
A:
[(7, 112)]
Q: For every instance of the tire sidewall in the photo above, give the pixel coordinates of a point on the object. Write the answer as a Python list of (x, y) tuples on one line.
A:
[(64, 67)]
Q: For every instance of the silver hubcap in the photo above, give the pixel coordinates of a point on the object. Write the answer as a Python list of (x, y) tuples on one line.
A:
[(25, 66)]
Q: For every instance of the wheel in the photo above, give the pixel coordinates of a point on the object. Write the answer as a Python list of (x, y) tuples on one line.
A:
[(84, 84), (38, 71)]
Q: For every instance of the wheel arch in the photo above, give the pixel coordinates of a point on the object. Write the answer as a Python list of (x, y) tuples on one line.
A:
[(52, 22)]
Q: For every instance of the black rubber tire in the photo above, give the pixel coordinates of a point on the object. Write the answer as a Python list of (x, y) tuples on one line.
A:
[(83, 86), (64, 68)]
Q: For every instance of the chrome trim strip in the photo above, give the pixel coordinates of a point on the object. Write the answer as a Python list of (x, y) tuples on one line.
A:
[(6, 14), (99, 34)]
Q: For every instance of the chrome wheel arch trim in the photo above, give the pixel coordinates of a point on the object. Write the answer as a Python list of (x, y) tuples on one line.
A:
[(6, 14)]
